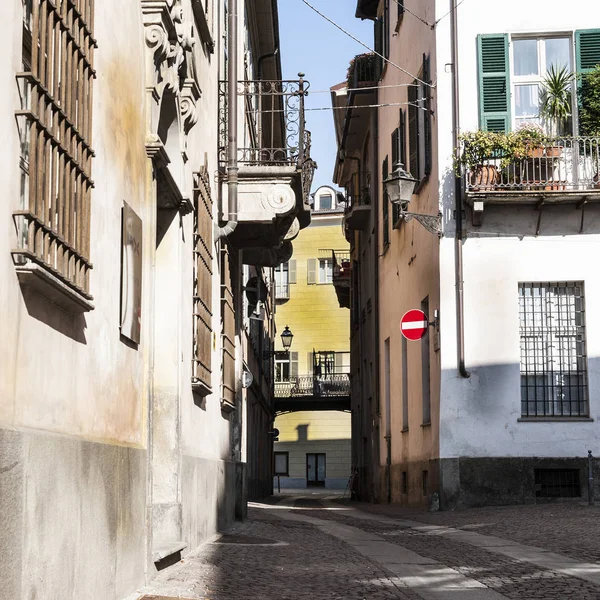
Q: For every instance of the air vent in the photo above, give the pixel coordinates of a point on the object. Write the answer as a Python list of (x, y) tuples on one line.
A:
[(557, 483)]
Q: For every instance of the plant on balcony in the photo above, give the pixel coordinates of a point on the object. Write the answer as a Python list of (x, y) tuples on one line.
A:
[(589, 103), (526, 142), (477, 148), (555, 103)]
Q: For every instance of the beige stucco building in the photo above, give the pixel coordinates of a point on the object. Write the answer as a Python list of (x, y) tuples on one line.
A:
[(131, 286)]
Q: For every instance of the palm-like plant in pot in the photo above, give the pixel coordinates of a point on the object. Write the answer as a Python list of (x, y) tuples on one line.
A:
[(556, 103)]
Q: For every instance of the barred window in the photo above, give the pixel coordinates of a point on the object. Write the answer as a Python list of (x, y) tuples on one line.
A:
[(228, 329), (55, 126), (553, 352), (203, 272)]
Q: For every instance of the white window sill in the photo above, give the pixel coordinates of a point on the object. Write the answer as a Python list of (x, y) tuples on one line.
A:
[(555, 420)]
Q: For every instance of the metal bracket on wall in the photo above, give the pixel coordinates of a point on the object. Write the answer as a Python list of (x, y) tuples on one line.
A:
[(432, 223)]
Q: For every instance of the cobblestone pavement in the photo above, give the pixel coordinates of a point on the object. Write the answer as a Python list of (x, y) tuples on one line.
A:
[(571, 529), (301, 548), (511, 578), (311, 566)]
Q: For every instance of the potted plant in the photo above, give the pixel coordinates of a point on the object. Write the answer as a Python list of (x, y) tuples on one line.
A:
[(555, 103), (478, 147), (525, 151)]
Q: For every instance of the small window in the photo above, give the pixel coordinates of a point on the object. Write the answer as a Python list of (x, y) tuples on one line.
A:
[(325, 270), (557, 483), (282, 460), (324, 202)]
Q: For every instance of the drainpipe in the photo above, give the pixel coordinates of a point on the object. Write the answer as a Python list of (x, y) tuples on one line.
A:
[(264, 57), (232, 123), (458, 200)]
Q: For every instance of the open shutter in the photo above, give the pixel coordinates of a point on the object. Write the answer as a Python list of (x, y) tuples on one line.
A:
[(292, 271), (494, 82), (413, 130), (402, 138), (311, 276), (395, 147), (426, 93), (293, 365), (309, 363), (386, 204), (587, 49)]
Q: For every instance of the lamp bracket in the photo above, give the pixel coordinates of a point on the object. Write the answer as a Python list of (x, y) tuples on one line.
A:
[(433, 223)]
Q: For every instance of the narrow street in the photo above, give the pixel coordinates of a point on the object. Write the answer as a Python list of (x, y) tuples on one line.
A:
[(315, 546)]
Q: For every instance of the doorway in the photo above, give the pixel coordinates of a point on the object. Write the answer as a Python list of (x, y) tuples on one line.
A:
[(315, 470)]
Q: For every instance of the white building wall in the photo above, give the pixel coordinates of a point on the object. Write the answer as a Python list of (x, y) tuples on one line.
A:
[(479, 416)]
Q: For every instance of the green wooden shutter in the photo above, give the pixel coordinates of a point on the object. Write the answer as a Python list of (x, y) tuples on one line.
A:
[(292, 271), (312, 271), (587, 49), (494, 82)]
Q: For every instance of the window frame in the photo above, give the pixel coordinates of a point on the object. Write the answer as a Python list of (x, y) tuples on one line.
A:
[(328, 271), (544, 354), (287, 464), (516, 80)]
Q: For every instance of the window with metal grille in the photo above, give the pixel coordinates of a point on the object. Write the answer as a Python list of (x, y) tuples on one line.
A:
[(55, 127), (203, 272), (557, 483), (553, 350), (228, 329)]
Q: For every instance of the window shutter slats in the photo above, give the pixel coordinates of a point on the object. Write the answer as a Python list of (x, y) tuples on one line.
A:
[(413, 130), (294, 365), (587, 49), (386, 204), (494, 84), (425, 93), (311, 276), (402, 138), (309, 363), (292, 271)]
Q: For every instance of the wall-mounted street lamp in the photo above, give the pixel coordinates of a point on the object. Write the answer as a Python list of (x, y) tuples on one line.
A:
[(400, 186), (286, 340)]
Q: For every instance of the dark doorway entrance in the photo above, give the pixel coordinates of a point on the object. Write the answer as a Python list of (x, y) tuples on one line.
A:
[(315, 470)]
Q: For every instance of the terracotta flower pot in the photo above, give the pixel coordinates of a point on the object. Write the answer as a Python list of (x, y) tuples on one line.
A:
[(483, 177), (554, 151), (535, 152)]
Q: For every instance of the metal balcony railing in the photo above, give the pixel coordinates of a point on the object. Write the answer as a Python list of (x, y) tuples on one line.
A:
[(364, 70), (311, 386), (282, 291), (275, 132), (358, 190), (561, 164)]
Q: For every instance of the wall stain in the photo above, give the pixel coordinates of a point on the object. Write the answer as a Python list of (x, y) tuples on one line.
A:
[(9, 467)]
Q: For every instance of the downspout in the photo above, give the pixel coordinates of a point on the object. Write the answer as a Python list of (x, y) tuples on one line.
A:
[(265, 57), (458, 201), (232, 124), (375, 449)]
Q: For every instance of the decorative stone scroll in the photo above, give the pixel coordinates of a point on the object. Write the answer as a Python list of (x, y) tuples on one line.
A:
[(170, 66)]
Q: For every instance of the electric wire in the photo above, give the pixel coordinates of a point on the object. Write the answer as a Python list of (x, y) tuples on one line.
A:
[(387, 60), (371, 105), (361, 89), (430, 25)]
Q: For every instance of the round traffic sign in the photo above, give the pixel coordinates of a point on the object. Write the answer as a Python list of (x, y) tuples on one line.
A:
[(414, 324)]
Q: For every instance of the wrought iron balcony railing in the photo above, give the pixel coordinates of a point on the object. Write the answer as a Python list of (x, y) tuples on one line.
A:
[(311, 386), (275, 132), (561, 164), (358, 190), (341, 266)]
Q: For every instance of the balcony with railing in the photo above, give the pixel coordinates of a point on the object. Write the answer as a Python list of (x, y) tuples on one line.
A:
[(341, 276), (275, 167), (364, 71), (312, 392), (358, 200), (559, 169)]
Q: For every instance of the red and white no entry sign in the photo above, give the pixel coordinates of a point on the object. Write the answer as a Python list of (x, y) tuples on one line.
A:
[(414, 324)]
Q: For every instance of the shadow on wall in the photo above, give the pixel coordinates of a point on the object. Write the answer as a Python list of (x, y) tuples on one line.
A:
[(514, 220), (302, 433), (42, 309)]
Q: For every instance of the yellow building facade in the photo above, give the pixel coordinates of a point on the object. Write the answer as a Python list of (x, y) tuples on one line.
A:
[(314, 445)]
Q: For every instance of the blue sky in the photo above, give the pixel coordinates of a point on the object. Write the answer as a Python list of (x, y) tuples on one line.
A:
[(315, 47)]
